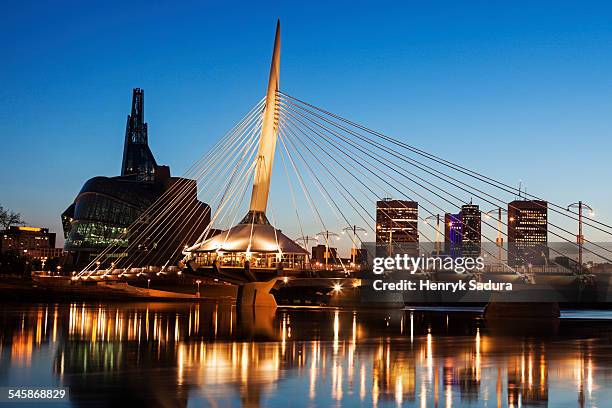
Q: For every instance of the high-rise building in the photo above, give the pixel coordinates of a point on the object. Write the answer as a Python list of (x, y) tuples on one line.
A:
[(32, 242), (20, 239), (471, 236), (396, 226), (462, 232), (453, 231), (106, 207), (322, 255), (527, 232)]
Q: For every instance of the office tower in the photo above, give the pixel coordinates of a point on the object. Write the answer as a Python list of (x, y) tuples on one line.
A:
[(527, 232), (322, 256), (453, 229), (471, 230), (462, 232), (32, 242), (397, 226)]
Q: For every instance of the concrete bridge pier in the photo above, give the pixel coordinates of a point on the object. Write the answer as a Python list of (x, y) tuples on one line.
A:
[(256, 294)]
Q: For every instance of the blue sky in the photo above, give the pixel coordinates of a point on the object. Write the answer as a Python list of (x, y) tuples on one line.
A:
[(493, 85)]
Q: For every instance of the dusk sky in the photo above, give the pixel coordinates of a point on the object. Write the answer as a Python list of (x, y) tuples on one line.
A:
[(516, 90)]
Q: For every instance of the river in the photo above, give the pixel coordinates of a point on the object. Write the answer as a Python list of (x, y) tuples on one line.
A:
[(207, 354)]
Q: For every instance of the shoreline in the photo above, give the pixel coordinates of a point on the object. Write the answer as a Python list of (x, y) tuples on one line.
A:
[(16, 290)]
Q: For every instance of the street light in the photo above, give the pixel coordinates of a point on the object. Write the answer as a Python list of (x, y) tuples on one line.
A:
[(500, 239), (354, 229), (305, 240), (198, 283), (437, 218), (499, 211), (326, 234), (580, 237)]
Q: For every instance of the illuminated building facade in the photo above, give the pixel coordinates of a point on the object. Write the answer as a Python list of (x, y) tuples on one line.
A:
[(27, 240), (397, 226), (462, 232), (106, 207), (471, 230), (527, 232), (453, 230), (321, 256), (397, 221)]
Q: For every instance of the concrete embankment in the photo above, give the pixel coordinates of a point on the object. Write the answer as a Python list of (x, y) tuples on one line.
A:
[(26, 290)]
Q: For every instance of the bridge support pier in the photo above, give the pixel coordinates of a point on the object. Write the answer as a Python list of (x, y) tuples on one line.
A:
[(256, 294)]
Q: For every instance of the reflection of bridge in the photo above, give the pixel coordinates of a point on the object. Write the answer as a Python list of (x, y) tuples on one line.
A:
[(338, 165)]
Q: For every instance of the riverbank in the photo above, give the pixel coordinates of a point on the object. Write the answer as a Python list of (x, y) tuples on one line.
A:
[(24, 290), (14, 289)]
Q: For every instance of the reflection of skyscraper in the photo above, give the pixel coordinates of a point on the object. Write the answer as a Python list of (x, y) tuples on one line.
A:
[(527, 232), (393, 377), (106, 206), (469, 383), (528, 380)]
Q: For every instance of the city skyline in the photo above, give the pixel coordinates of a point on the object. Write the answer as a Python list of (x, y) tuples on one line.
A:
[(79, 111), (361, 203)]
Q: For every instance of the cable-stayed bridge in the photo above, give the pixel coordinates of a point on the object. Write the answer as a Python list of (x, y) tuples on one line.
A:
[(323, 172)]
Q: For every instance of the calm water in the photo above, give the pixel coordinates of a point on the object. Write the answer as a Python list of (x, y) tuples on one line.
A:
[(208, 355)]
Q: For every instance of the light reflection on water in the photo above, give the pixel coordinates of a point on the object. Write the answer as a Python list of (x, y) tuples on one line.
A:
[(207, 354)]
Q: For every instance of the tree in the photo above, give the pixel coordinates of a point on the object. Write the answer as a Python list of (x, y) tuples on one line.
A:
[(13, 263), (8, 218)]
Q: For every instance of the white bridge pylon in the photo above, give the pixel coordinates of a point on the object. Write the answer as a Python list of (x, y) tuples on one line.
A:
[(269, 134), (254, 238)]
